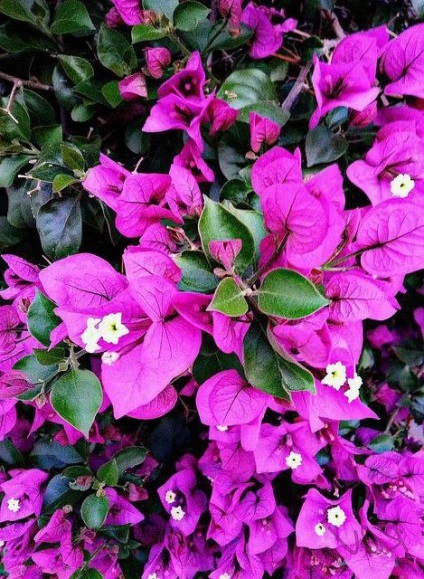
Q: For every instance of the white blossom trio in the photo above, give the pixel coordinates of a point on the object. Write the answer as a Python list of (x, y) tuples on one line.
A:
[(109, 328)]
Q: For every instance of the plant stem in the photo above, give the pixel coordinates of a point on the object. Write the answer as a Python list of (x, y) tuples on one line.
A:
[(21, 82), (297, 88), (334, 21)]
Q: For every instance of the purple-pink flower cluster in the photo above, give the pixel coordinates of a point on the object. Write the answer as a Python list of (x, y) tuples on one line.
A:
[(292, 484)]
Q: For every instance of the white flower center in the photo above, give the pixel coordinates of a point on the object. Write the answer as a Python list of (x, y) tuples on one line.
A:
[(170, 497), (320, 529), (91, 336), (111, 328), (336, 375), (110, 358), (294, 460), (153, 576), (14, 505), (336, 516), (401, 186), (177, 513), (225, 576), (222, 428)]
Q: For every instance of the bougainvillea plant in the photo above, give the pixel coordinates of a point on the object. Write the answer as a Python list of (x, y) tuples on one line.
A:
[(212, 321)]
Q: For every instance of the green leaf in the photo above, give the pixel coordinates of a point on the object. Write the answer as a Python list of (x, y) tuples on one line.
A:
[(12, 40), (269, 368), (236, 191), (10, 167), (165, 7), (62, 181), (76, 68), (39, 109), (211, 360), (109, 473), (19, 211), (382, 443), (220, 39), (9, 455), (253, 221), (59, 225), (130, 457), (196, 272), (81, 113), (287, 294), (42, 319), (232, 149), (87, 574), (229, 299), (270, 110), (295, 378), (94, 511), (111, 93), (17, 125), (418, 7), (247, 87), (77, 396), (217, 224), (188, 15), (261, 363), (71, 17), (35, 372), (58, 494), (115, 52), (9, 235), (72, 157), (49, 454), (35, 12), (146, 33), (323, 146), (50, 357)]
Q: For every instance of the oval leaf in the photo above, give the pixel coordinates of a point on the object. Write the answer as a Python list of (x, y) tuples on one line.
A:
[(228, 299), (94, 511), (218, 224), (188, 15), (287, 294), (42, 319), (77, 397)]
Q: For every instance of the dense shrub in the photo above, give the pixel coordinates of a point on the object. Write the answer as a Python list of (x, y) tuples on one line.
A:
[(211, 333)]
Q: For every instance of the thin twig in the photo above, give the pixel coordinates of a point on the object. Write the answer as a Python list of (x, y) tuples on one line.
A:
[(335, 24), (286, 58), (22, 82), (297, 88)]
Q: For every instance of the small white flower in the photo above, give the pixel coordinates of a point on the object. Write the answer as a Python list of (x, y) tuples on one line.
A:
[(111, 328), (225, 576), (294, 460), (91, 336), (222, 428), (355, 384), (336, 375), (153, 576), (110, 358), (319, 529), (336, 516), (14, 505), (170, 497), (401, 186), (177, 513), (2, 544)]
